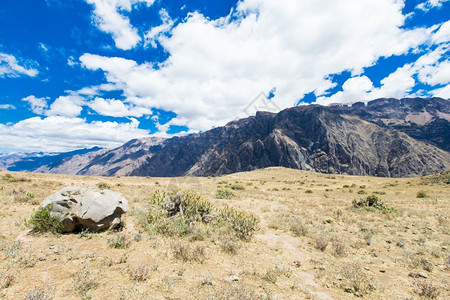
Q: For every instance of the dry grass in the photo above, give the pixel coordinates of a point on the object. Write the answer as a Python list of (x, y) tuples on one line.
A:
[(369, 252)]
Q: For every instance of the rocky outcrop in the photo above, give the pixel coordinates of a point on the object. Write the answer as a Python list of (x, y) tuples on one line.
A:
[(83, 208)]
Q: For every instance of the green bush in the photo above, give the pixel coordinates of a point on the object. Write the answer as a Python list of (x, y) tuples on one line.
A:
[(185, 213), (421, 194), (103, 186), (237, 187), (224, 194), (373, 203), (42, 221)]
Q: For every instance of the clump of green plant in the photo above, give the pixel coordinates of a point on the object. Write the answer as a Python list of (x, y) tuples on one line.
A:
[(10, 178), (243, 224), (184, 213), (421, 194), (120, 241), (308, 191), (224, 194), (373, 203), (237, 187), (103, 186), (441, 178), (362, 192), (43, 221)]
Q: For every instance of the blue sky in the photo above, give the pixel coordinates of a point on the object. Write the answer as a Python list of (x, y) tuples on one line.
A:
[(84, 73)]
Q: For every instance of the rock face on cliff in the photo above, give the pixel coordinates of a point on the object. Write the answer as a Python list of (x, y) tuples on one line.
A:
[(384, 137)]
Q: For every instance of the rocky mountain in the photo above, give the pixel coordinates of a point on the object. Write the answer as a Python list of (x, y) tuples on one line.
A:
[(34, 160), (384, 137)]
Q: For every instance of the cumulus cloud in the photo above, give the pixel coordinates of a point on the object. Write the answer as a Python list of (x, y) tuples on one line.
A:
[(432, 68), (429, 4), (116, 108), (66, 106), (108, 16), (57, 133), (7, 106), (216, 67), (10, 67), (37, 105), (155, 33)]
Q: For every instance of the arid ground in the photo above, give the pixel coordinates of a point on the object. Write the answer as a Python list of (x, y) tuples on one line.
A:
[(312, 243)]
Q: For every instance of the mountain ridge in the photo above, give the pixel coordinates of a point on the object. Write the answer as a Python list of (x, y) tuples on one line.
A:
[(384, 137)]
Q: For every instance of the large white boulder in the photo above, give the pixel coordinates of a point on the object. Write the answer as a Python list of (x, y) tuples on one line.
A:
[(85, 208)]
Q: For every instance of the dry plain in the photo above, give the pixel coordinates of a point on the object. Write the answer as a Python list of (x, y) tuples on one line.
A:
[(311, 242)]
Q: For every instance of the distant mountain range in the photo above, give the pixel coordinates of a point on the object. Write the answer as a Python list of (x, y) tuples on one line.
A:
[(384, 137)]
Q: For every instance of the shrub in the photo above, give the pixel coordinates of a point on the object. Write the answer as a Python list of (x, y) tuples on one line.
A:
[(230, 246), (185, 253), (43, 221), (298, 228), (185, 212), (421, 194), (119, 242), (10, 178), (83, 282), (356, 280), (237, 187), (103, 186), (139, 273), (427, 290), (242, 223), (372, 203), (308, 191), (321, 243), (224, 194), (39, 294), (339, 247), (362, 192)]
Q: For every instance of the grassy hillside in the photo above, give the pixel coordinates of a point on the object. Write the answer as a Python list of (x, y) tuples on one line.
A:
[(312, 241)]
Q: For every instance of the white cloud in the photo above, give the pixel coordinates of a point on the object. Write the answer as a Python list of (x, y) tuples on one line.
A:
[(57, 133), (116, 108), (355, 88), (109, 17), (154, 34), (95, 89), (427, 5), (443, 92), (66, 106), (216, 67), (38, 105), (9, 67), (7, 106), (443, 34)]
